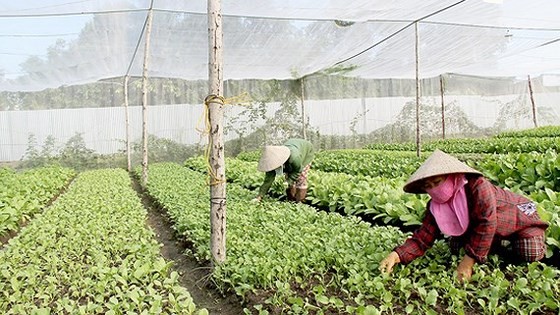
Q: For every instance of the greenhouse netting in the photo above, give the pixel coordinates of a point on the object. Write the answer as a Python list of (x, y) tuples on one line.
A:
[(418, 157), (339, 73)]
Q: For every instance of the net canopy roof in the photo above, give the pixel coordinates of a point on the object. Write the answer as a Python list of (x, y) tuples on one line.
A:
[(52, 43)]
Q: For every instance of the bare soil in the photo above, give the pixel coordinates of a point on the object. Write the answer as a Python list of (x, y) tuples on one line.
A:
[(194, 276)]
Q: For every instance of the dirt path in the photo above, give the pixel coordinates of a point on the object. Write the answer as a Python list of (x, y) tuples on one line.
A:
[(192, 275)]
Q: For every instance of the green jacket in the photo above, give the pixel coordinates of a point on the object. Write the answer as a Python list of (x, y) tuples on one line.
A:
[(301, 154)]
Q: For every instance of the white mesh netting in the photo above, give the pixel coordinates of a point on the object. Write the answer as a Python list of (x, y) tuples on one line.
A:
[(357, 60), (53, 43)]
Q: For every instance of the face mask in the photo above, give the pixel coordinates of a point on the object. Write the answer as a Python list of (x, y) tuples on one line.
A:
[(442, 192), (279, 171)]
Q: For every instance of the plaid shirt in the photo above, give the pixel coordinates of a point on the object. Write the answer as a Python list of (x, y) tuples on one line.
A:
[(493, 212)]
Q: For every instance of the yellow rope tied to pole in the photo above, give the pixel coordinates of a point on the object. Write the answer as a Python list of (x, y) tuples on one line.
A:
[(240, 100), (216, 99)]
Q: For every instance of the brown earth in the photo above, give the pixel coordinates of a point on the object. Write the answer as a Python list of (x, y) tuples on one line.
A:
[(194, 276)]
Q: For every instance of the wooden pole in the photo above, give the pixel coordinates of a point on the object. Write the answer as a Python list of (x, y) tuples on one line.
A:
[(442, 107), (532, 101), (302, 97), (364, 120), (416, 48), (145, 98), (216, 160), (127, 123)]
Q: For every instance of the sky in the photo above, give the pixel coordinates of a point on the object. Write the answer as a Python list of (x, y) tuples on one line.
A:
[(20, 39), (22, 36)]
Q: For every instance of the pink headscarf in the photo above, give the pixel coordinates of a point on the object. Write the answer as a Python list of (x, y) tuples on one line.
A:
[(449, 205)]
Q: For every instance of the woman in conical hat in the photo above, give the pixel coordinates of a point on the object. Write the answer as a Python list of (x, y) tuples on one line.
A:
[(474, 213), (293, 159)]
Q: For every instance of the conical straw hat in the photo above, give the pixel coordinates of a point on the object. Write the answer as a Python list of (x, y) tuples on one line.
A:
[(439, 163), (273, 156)]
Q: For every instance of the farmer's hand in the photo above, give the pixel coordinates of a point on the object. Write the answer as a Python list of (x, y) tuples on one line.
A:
[(386, 265), (257, 199), (464, 270)]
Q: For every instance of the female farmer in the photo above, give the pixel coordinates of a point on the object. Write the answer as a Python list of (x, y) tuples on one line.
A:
[(473, 212), (292, 159)]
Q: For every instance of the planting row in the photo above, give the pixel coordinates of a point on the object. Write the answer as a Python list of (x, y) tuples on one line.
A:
[(478, 145), (286, 257), (382, 199), (90, 253), (536, 175), (528, 171), (545, 131), (27, 193), (377, 197), (358, 162)]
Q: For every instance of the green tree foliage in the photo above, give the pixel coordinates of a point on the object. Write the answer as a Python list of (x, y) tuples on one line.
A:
[(31, 157), (164, 150), (76, 155), (256, 125), (404, 128)]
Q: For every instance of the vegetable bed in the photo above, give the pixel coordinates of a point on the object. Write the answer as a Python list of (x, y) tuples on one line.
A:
[(90, 253), (289, 258)]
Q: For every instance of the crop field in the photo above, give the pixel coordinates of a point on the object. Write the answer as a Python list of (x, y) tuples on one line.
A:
[(79, 242)]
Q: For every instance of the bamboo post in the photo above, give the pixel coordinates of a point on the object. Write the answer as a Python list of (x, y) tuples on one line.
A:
[(364, 120), (532, 101), (442, 107), (127, 123), (145, 98), (416, 48), (302, 97), (216, 161)]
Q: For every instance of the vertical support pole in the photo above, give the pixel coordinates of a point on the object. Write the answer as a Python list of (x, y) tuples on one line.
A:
[(532, 101), (416, 48), (216, 159), (442, 107), (145, 98), (302, 97), (127, 123), (364, 121)]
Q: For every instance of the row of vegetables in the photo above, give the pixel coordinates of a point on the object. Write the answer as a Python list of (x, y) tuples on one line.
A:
[(89, 252), (291, 258), (382, 199), (378, 197), (496, 145), (24, 194), (526, 171)]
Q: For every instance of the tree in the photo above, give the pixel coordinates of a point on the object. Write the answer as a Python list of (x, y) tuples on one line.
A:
[(273, 116), (76, 154), (404, 129)]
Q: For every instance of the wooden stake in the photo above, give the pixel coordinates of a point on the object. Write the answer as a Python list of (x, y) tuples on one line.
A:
[(442, 107), (127, 123), (216, 160), (532, 101), (145, 98), (302, 97), (416, 48)]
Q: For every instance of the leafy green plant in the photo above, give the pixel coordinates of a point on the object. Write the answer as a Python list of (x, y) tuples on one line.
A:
[(91, 253), (27, 193), (477, 145), (292, 256)]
